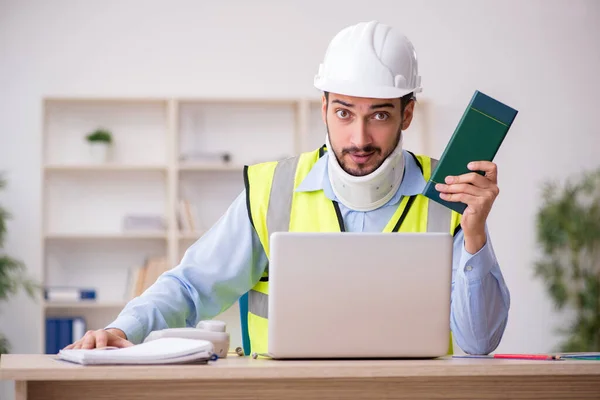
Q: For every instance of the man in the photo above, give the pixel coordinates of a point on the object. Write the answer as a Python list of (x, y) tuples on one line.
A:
[(361, 180)]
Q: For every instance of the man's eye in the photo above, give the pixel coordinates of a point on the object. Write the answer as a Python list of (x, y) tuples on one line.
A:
[(381, 116), (342, 114)]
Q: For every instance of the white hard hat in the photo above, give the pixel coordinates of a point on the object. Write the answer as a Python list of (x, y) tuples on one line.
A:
[(369, 59)]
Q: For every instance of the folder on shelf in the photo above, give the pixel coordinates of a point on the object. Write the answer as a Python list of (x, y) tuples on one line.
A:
[(62, 331), (160, 351), (65, 293), (477, 137), (144, 223), (154, 268), (142, 277), (188, 216)]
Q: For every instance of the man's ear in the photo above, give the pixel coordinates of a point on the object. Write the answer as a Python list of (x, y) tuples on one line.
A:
[(324, 109), (408, 115)]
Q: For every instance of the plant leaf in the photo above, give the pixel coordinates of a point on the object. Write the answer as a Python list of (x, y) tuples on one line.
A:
[(13, 278), (4, 345), (568, 232)]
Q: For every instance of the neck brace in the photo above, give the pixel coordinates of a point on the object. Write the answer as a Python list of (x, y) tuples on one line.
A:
[(368, 192)]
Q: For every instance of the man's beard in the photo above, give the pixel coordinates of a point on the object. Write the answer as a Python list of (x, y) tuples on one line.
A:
[(367, 149)]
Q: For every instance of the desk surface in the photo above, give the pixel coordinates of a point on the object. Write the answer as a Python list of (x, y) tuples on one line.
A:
[(38, 367)]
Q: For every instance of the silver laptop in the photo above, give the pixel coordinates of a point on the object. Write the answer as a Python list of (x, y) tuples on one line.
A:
[(359, 295)]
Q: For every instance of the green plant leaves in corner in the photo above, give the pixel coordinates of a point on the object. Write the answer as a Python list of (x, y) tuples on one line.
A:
[(568, 231), (4, 345), (552, 272), (13, 278), (13, 275)]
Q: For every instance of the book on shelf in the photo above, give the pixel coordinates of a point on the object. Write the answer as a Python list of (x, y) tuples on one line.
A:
[(62, 331), (69, 294), (144, 223), (205, 157), (142, 277), (188, 217)]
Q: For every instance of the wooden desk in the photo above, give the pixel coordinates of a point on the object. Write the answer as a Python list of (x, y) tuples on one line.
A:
[(45, 377)]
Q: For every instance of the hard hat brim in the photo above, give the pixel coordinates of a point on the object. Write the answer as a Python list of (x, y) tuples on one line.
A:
[(353, 89)]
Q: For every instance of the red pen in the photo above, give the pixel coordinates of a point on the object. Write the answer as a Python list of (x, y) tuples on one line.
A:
[(526, 356)]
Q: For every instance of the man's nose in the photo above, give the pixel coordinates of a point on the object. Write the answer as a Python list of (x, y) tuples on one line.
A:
[(360, 135)]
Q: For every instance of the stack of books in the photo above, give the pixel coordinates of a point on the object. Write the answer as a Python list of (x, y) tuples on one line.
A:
[(142, 277)]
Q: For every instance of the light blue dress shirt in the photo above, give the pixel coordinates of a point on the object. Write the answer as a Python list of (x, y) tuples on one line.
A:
[(228, 260)]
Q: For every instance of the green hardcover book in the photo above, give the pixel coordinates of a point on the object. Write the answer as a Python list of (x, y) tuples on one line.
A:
[(477, 137)]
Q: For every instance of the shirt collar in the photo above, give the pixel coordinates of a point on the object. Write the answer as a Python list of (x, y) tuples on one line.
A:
[(317, 178)]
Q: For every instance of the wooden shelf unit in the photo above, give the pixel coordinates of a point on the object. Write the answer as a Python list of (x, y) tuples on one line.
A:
[(151, 170)]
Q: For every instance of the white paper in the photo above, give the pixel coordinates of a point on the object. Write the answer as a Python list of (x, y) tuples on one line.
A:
[(161, 351)]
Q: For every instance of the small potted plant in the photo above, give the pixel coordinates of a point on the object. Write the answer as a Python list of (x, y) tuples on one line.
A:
[(100, 142)]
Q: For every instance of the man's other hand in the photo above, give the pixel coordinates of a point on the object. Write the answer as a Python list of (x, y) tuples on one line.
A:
[(478, 192)]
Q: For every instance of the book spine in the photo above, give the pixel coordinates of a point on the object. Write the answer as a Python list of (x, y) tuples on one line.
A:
[(62, 331), (69, 294), (78, 330), (51, 335)]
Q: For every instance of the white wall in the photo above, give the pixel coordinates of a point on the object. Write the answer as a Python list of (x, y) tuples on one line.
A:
[(541, 57)]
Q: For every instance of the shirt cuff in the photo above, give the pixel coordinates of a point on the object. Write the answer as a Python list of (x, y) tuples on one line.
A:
[(476, 266), (131, 326)]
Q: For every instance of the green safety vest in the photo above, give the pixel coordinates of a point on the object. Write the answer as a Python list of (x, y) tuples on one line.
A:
[(291, 211)]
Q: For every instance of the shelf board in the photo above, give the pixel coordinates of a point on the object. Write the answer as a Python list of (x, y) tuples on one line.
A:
[(210, 167), (56, 305), (105, 100), (103, 167), (183, 100), (107, 236), (275, 101)]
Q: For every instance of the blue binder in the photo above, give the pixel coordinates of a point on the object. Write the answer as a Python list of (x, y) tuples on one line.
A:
[(62, 331)]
